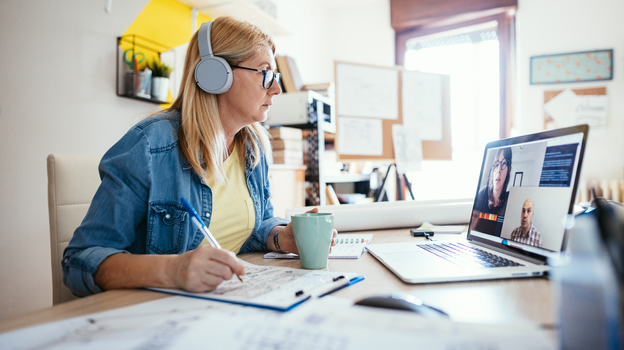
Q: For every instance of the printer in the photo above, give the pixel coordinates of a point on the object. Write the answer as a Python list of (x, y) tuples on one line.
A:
[(300, 109)]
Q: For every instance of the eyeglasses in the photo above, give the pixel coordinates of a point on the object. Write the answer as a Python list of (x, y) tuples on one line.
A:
[(502, 165), (269, 76)]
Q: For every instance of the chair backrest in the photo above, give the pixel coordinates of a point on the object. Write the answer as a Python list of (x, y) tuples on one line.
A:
[(72, 182)]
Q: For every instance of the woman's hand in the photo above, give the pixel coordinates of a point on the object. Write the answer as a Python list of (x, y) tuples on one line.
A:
[(286, 237), (203, 269)]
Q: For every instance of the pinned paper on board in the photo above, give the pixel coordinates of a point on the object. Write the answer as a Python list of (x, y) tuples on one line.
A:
[(422, 104), (367, 92), (576, 106), (360, 136), (407, 148)]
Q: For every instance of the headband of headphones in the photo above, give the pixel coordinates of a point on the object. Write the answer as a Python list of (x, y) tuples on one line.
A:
[(213, 74), (203, 39)]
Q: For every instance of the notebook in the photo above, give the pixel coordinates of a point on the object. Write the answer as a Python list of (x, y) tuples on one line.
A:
[(348, 246), (273, 287), (526, 189)]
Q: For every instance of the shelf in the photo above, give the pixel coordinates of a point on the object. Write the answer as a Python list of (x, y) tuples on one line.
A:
[(240, 9), (128, 82), (152, 100), (346, 178), (287, 167)]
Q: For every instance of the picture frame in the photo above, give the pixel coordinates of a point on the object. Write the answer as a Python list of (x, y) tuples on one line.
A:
[(572, 67)]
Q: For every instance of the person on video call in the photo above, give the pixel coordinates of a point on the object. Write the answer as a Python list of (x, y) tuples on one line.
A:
[(492, 198), (527, 233), (209, 148)]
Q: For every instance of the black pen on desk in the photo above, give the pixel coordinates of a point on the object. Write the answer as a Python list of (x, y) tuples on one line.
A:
[(322, 290), (197, 221)]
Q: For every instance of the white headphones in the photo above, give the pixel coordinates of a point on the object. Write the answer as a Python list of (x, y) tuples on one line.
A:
[(213, 74)]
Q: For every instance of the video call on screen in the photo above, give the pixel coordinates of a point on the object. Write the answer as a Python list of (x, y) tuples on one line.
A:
[(525, 191)]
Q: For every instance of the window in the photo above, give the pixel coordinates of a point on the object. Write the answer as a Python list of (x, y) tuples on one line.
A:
[(470, 57), (472, 42)]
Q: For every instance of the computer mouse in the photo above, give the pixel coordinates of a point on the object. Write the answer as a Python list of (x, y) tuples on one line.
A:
[(400, 301)]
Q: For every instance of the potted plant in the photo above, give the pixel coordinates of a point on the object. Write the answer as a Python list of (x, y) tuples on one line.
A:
[(160, 79)]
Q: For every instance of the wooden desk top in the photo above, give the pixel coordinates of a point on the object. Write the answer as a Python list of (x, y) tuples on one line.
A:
[(504, 301)]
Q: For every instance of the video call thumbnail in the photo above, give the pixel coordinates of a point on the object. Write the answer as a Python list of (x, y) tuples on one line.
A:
[(524, 192), (534, 216)]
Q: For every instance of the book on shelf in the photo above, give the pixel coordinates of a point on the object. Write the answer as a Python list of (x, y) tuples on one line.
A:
[(287, 144), (288, 161), (286, 133), (332, 199), (288, 153), (294, 73), (291, 79)]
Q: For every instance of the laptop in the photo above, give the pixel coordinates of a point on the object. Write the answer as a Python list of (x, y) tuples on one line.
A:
[(526, 189)]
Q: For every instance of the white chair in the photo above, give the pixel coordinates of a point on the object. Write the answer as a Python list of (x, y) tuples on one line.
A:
[(72, 182)]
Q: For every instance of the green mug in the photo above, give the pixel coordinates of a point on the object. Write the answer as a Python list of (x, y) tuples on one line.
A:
[(313, 235)]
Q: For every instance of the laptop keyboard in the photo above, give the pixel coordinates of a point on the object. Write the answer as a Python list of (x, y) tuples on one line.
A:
[(465, 255)]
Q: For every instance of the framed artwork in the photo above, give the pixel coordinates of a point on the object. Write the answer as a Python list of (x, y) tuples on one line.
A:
[(572, 67)]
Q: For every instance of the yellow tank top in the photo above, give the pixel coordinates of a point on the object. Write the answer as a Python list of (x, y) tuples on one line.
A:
[(233, 213)]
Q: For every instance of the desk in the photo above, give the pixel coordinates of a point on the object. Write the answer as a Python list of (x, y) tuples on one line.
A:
[(505, 301)]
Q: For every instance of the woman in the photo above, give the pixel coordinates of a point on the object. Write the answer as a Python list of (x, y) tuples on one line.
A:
[(208, 148), (492, 198)]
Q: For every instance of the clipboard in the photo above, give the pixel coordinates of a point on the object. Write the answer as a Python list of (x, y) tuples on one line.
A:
[(274, 288)]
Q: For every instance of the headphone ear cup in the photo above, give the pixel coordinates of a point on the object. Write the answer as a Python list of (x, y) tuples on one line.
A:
[(213, 75)]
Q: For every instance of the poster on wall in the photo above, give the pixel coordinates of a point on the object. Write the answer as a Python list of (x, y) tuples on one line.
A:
[(572, 67)]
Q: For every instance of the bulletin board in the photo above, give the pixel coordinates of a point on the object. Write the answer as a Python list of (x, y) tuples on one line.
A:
[(432, 150)]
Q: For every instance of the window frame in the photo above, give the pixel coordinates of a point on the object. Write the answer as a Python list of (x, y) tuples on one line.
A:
[(505, 30)]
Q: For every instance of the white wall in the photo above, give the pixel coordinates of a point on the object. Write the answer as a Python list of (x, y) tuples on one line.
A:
[(560, 26), (356, 31), (57, 95)]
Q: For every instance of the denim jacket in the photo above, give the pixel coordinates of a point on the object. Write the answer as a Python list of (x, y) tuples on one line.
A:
[(137, 207)]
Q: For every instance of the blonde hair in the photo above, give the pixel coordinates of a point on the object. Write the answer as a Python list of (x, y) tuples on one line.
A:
[(201, 135)]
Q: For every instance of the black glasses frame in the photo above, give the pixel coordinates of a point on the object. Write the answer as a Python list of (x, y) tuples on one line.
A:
[(266, 81), (500, 164)]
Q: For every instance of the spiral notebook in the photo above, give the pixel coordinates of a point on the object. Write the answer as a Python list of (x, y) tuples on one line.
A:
[(348, 246)]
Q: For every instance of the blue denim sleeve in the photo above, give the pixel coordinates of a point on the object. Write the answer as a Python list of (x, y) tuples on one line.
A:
[(117, 209)]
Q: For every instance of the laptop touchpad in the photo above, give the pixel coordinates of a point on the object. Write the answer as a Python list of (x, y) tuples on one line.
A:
[(410, 256)]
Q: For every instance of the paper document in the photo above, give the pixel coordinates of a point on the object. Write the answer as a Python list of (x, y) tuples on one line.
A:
[(408, 152), (332, 326), (422, 104), (328, 323), (364, 91), (272, 287), (155, 324), (359, 136), (348, 246), (568, 108)]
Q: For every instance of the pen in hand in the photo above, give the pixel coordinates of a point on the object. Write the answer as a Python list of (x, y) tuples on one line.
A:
[(203, 228)]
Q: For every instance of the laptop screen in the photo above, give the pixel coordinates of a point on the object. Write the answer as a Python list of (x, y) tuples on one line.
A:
[(526, 190)]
